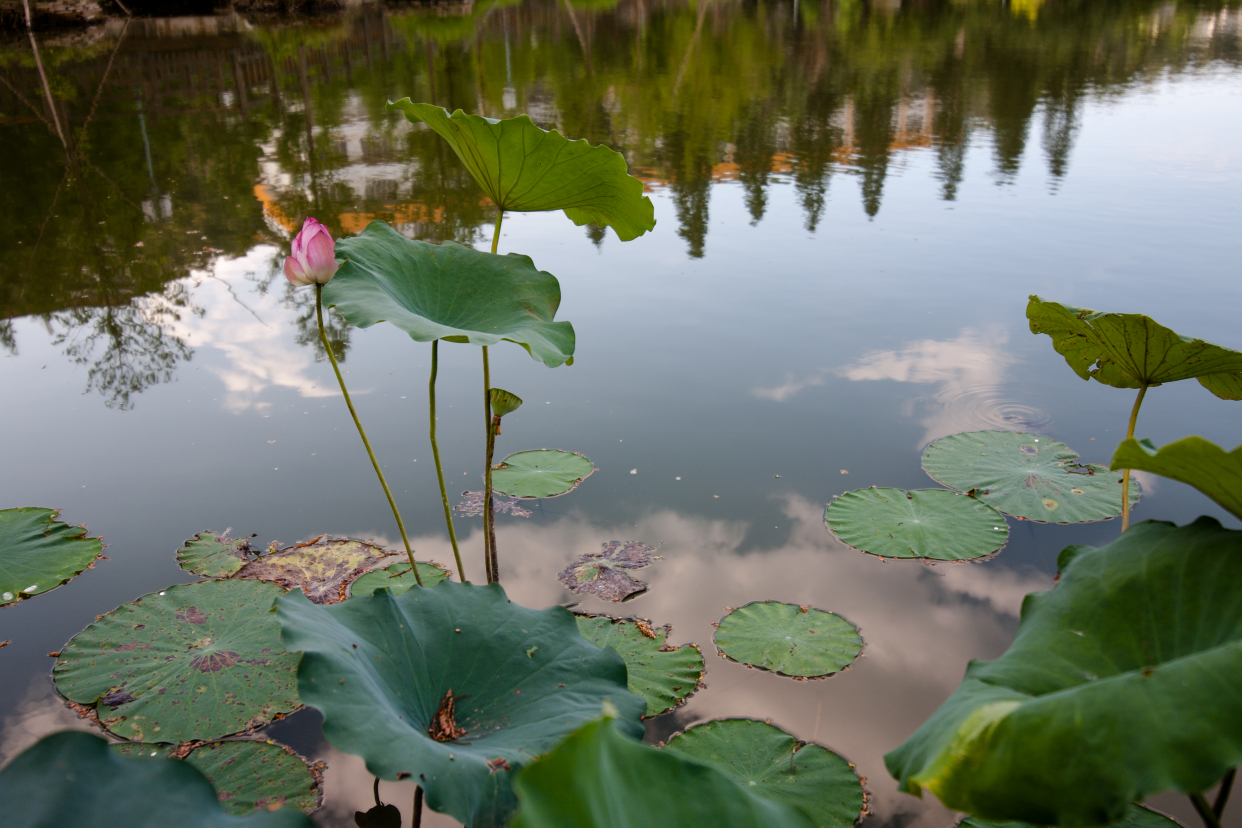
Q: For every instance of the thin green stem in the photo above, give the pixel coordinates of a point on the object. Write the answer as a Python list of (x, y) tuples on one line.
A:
[(1125, 478), (490, 506), (500, 216), (375, 792), (323, 338), (1205, 811), (435, 452), (487, 469), (418, 807), (1222, 795)]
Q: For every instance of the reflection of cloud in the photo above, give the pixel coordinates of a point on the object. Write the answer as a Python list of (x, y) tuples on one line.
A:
[(791, 387), (40, 713), (970, 370)]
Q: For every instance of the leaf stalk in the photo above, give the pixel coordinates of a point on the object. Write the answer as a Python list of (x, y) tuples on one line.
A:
[(1125, 478), (1209, 817), (435, 452)]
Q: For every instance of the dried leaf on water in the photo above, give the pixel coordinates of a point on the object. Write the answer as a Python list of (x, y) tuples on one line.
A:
[(603, 573), (472, 505), (323, 569)]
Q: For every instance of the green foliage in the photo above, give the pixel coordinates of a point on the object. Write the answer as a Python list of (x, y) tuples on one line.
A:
[(39, 553), (504, 402), (928, 523), (542, 473), (1120, 683), (497, 683), (1206, 466), (770, 763), (598, 777), (73, 779), (526, 169), (196, 662), (1136, 817), (664, 676), (398, 578), (788, 639), (447, 291), (213, 555)]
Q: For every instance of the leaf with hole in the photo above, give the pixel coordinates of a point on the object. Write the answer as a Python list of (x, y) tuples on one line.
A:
[(605, 574), (664, 676), (788, 639), (39, 553), (925, 523), (542, 473), (1192, 460), (214, 555), (322, 569), (398, 578)]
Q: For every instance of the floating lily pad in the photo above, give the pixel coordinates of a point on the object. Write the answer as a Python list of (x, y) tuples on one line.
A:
[(1206, 466), (501, 504), (776, 766), (72, 779), (928, 523), (447, 291), (598, 777), (524, 168), (542, 473), (604, 573), (455, 685), (665, 676), (39, 553), (789, 640), (1028, 477), (322, 569), (398, 578), (213, 555), (503, 402), (1136, 817), (1137, 651), (195, 662)]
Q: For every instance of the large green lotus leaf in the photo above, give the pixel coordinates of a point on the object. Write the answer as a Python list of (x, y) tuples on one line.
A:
[(195, 662), (380, 669), (1122, 682), (322, 569), (928, 523), (1127, 350), (214, 555), (398, 578), (1028, 477), (72, 779), (1136, 817), (524, 168), (1206, 466), (665, 676), (542, 473), (788, 639), (447, 291), (39, 553), (599, 778), (774, 765)]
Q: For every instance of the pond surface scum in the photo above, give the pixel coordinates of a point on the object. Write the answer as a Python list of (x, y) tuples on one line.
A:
[(854, 200)]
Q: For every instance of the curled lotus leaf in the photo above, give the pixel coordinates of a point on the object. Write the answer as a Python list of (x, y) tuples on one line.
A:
[(932, 524), (604, 573), (1110, 654), (322, 569), (664, 676), (39, 553), (1137, 816), (501, 504), (788, 639), (503, 402), (73, 779), (398, 578), (195, 662), (776, 766), (453, 685), (1192, 460), (215, 555), (542, 473)]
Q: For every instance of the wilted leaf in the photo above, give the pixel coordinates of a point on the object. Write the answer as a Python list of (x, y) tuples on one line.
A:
[(472, 506), (788, 639), (664, 676), (398, 578), (503, 402), (542, 473), (1192, 460), (322, 569), (39, 553), (603, 573), (926, 523), (213, 555)]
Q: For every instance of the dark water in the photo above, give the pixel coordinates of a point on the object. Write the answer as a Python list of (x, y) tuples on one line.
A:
[(854, 202)]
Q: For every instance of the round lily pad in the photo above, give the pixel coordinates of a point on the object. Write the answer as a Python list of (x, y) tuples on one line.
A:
[(398, 578), (39, 553), (542, 473), (788, 639), (770, 763), (927, 523), (1026, 476), (214, 555), (665, 676), (195, 662), (1136, 817)]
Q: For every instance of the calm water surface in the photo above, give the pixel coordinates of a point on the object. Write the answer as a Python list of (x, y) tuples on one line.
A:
[(854, 202)]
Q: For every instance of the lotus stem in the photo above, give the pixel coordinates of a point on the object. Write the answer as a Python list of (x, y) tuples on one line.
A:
[(323, 338), (1205, 811), (500, 216), (435, 452), (1125, 477), (375, 792), (418, 807), (488, 552), (1222, 795)]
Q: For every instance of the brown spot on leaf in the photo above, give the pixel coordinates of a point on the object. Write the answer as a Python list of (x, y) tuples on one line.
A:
[(214, 662), (443, 728), (192, 615), (116, 698), (498, 764)]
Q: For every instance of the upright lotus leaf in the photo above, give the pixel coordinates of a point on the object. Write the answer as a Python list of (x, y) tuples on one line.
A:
[(664, 676), (542, 473), (398, 578), (1130, 350), (322, 569), (1192, 460), (527, 169), (72, 779), (788, 639), (214, 555), (39, 553), (1028, 477), (501, 504), (504, 402), (1122, 682), (931, 523), (447, 291), (454, 685), (195, 662), (600, 778), (770, 763), (1136, 817), (605, 574)]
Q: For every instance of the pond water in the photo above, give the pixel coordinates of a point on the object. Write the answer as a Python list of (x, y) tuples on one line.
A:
[(854, 201)]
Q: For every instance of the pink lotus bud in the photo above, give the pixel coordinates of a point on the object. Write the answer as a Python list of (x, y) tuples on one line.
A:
[(314, 256)]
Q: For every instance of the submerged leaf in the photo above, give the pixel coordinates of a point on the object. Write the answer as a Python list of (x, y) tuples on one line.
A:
[(664, 676), (504, 402), (1192, 460), (928, 523), (542, 473), (39, 553), (603, 573), (398, 578), (472, 506), (214, 555), (322, 569), (788, 639)]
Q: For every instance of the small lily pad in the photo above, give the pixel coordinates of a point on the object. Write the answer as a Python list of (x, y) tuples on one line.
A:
[(472, 506), (39, 553), (789, 640), (774, 765), (215, 555), (603, 573), (322, 569), (1026, 476), (194, 662), (928, 523), (1136, 817), (542, 473), (665, 676), (398, 578)]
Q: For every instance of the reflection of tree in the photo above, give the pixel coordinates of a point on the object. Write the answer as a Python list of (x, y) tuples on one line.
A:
[(8, 340), (335, 326)]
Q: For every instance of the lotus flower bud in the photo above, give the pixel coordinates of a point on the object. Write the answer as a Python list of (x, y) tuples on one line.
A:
[(314, 256)]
